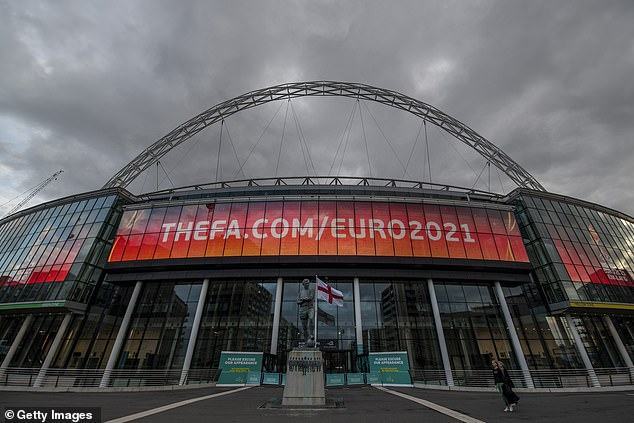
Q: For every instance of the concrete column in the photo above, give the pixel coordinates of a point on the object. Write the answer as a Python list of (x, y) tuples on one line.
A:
[(357, 315), (581, 349), (123, 330), (16, 343), (52, 351), (194, 334), (441, 333), (619, 344), (277, 313), (517, 347)]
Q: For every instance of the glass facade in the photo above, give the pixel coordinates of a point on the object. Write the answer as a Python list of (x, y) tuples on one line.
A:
[(579, 253), (160, 327), (396, 316), (598, 342), (335, 326), (95, 335), (624, 326), (34, 348), (57, 252), (474, 327), (237, 316), (9, 327), (545, 340)]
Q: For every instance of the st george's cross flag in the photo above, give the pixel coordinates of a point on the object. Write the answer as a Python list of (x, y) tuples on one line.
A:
[(329, 294)]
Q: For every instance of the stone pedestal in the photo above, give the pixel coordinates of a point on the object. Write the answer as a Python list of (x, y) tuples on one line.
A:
[(304, 379)]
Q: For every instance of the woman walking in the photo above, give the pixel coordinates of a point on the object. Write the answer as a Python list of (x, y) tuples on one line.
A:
[(504, 385)]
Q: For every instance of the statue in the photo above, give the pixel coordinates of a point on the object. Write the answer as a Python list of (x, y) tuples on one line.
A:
[(306, 302), (305, 364)]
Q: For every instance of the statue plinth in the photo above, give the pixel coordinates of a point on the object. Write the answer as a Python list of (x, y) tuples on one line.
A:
[(304, 378)]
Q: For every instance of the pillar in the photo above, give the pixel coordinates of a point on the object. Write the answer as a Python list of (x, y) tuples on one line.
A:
[(357, 315), (16, 343), (581, 349), (52, 351), (194, 333), (619, 344), (440, 332), (277, 312), (123, 330), (517, 347)]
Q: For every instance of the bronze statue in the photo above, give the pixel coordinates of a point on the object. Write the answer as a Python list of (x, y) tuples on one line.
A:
[(306, 301)]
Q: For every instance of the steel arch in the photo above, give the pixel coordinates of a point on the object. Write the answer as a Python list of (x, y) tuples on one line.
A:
[(457, 129)]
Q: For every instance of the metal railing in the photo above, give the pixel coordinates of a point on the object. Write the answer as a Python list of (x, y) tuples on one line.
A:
[(428, 377), (321, 181), (550, 378), (91, 378), (124, 378)]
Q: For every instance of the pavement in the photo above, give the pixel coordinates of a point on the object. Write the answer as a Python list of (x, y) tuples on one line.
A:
[(362, 404), (603, 407), (113, 404)]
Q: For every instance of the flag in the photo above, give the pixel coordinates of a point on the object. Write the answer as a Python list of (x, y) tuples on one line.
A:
[(326, 318), (328, 293)]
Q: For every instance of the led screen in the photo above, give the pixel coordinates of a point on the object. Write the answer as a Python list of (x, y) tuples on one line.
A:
[(291, 228)]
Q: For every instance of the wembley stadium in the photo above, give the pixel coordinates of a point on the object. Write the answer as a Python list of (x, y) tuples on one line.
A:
[(108, 288)]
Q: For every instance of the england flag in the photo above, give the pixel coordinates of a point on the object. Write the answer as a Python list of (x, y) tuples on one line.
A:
[(328, 293)]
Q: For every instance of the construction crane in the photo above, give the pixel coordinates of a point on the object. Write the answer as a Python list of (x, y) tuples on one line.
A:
[(35, 190)]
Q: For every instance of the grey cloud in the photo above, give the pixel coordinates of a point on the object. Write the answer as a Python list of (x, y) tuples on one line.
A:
[(549, 82)]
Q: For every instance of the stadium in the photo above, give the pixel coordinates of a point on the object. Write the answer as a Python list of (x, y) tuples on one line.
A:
[(108, 288)]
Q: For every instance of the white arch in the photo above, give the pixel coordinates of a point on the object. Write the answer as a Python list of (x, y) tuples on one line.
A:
[(457, 129)]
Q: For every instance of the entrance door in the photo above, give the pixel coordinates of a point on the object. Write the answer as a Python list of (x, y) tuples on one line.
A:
[(339, 361)]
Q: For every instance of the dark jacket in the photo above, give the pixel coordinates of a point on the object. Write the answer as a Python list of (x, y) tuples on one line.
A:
[(502, 376)]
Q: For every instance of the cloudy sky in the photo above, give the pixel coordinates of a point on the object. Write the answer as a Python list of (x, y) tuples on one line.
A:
[(86, 85)]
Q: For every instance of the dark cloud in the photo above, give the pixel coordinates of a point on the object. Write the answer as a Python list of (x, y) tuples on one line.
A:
[(88, 85)]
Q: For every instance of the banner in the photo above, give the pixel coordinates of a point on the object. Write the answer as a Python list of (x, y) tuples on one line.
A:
[(391, 368), (270, 378), (354, 378), (335, 379), (239, 368), (291, 228)]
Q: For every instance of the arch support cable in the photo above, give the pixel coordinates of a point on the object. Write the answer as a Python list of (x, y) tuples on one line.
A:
[(390, 98)]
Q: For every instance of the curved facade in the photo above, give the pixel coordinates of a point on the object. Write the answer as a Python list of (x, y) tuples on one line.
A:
[(108, 280)]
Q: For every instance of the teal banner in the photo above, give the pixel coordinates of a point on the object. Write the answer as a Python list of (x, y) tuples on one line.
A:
[(354, 378), (271, 379), (254, 378), (240, 368), (335, 379), (391, 367), (373, 378)]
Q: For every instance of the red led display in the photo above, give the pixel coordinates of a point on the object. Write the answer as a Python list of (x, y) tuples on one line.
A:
[(325, 228)]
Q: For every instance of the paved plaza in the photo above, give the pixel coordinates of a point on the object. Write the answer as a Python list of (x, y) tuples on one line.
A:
[(362, 404)]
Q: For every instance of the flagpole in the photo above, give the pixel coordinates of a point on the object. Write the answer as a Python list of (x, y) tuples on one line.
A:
[(315, 304)]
